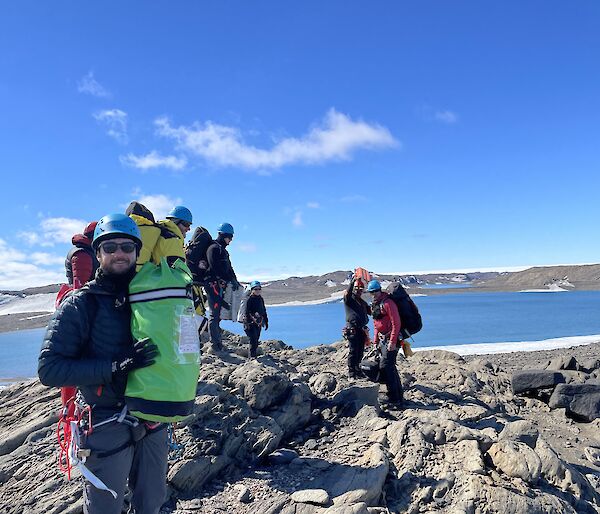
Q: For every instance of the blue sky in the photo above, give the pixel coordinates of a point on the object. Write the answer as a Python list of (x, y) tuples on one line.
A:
[(398, 136)]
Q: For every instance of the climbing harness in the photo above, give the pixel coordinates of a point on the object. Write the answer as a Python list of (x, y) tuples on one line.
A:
[(75, 421)]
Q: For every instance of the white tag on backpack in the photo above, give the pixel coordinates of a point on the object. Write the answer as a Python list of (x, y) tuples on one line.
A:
[(189, 341)]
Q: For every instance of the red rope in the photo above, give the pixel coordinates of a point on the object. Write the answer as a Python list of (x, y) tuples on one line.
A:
[(64, 435)]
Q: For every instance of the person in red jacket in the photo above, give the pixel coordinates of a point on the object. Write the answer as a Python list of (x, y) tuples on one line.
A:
[(81, 262), (386, 321)]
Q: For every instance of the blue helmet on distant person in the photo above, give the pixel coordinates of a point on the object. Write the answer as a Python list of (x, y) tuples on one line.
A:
[(116, 225), (179, 212), (225, 228), (373, 285), (254, 284)]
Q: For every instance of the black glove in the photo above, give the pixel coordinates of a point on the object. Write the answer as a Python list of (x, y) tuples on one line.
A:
[(141, 355), (235, 285), (266, 325)]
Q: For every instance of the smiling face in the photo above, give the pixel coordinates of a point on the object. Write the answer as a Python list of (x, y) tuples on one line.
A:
[(120, 261)]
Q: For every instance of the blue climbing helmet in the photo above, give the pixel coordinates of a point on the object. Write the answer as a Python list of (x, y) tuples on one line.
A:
[(112, 226), (373, 286), (179, 212), (225, 228), (254, 283)]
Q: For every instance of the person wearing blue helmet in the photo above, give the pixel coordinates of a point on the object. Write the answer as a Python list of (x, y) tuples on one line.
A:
[(219, 274), (88, 344), (255, 317), (387, 324), (182, 217)]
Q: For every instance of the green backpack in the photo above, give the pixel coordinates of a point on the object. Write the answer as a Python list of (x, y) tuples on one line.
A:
[(163, 310)]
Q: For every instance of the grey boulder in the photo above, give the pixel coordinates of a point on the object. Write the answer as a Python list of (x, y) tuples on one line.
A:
[(580, 400)]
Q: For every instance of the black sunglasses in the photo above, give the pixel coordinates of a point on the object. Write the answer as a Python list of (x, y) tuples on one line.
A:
[(185, 224), (113, 247)]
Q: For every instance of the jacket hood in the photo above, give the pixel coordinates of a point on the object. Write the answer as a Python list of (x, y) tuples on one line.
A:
[(81, 240), (141, 220), (171, 227)]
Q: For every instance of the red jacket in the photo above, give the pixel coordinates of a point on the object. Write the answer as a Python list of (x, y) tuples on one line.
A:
[(388, 324), (81, 263)]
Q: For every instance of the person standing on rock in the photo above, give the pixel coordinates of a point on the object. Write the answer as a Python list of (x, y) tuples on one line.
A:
[(88, 343), (220, 273), (357, 319), (255, 316), (386, 321)]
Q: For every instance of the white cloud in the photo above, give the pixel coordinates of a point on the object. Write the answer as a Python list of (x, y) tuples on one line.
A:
[(43, 258), (115, 121), (88, 84), (18, 272), (60, 230), (246, 247), (160, 205), (337, 137), (153, 160), (297, 220), (313, 205), (446, 116), (52, 231)]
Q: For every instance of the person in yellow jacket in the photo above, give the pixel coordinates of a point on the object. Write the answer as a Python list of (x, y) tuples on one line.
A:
[(149, 231), (172, 235), (164, 238)]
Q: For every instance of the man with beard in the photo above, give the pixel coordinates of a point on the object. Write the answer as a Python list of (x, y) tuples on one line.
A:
[(88, 343)]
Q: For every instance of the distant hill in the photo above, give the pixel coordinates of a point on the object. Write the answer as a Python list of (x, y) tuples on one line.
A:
[(332, 285), (582, 277)]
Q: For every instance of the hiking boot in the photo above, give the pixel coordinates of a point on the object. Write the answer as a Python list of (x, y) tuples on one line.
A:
[(392, 404)]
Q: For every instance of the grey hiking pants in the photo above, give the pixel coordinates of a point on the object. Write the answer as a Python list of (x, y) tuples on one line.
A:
[(142, 464), (215, 303)]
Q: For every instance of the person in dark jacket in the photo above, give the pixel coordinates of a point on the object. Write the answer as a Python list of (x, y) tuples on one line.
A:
[(255, 316), (220, 273), (387, 324), (89, 343), (81, 262), (357, 320)]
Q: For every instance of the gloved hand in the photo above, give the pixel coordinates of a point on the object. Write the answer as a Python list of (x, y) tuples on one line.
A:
[(141, 355), (235, 285), (266, 325)]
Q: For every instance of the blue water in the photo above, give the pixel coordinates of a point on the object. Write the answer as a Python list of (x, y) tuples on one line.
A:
[(448, 320)]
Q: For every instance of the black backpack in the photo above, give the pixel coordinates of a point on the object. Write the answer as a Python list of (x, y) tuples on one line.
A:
[(195, 254), (409, 313)]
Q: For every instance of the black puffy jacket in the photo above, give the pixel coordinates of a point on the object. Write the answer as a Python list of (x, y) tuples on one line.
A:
[(89, 331), (219, 263)]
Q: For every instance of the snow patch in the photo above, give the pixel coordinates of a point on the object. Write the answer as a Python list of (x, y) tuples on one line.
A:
[(10, 304), (334, 297), (330, 283), (520, 346), (345, 282), (551, 288)]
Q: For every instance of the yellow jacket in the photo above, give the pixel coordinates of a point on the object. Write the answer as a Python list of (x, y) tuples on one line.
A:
[(150, 233), (169, 244)]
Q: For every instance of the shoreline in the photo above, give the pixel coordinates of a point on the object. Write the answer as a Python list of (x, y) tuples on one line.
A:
[(522, 349)]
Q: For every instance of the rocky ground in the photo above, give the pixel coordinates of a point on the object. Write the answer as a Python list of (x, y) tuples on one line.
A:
[(287, 433), (24, 321)]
